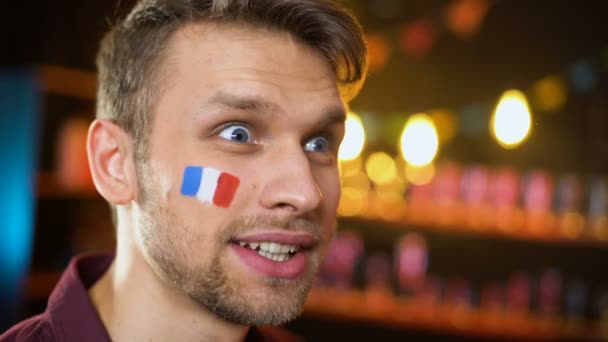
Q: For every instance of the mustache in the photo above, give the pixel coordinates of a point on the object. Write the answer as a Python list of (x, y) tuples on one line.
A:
[(251, 223)]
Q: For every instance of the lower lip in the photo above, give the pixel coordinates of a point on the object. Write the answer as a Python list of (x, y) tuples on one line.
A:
[(290, 269)]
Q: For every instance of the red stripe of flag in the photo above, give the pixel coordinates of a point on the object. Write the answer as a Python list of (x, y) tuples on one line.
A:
[(226, 188)]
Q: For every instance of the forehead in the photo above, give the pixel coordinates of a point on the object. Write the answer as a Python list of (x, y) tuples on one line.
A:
[(204, 60), (240, 51)]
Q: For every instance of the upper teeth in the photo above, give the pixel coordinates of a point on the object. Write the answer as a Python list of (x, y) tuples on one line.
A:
[(271, 247)]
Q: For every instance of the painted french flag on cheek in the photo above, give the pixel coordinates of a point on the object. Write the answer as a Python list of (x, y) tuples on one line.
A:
[(209, 185)]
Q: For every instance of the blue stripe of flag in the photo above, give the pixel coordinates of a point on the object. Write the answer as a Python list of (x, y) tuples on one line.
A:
[(192, 180)]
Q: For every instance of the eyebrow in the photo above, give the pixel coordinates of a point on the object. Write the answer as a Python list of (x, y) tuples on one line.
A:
[(333, 116), (248, 103), (258, 105)]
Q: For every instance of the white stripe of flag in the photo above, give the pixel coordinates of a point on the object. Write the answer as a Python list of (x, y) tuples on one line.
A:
[(208, 185)]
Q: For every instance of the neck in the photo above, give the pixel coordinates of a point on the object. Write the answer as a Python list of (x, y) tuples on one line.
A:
[(136, 305)]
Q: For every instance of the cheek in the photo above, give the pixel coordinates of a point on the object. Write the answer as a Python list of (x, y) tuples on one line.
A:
[(205, 200), (331, 190), (210, 186)]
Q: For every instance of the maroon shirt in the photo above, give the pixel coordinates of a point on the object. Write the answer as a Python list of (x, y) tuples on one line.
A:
[(71, 316)]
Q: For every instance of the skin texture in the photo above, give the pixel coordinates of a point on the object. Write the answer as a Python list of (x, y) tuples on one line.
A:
[(176, 275)]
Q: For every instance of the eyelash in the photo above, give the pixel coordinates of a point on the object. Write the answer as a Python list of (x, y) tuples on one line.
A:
[(226, 126), (329, 136)]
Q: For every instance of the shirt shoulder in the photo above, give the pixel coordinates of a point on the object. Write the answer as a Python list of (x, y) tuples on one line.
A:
[(36, 328)]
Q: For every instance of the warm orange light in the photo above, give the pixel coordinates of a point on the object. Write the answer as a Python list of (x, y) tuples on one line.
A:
[(512, 119), (352, 202), (354, 138), (464, 17), (350, 167), (419, 141), (378, 51), (380, 168), (446, 124), (358, 180), (420, 175), (549, 94)]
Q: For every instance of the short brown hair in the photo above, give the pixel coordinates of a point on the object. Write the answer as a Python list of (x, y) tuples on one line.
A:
[(129, 54)]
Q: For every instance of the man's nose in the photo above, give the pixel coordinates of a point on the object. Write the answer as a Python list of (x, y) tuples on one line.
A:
[(289, 183)]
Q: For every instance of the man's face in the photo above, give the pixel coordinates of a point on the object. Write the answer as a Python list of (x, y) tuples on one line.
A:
[(266, 109)]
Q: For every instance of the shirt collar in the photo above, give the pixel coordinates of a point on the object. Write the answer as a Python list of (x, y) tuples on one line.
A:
[(71, 311), (73, 315)]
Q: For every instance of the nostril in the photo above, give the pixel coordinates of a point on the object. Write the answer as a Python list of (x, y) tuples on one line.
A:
[(285, 205)]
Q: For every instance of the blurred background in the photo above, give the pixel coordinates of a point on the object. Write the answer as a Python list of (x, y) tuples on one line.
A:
[(475, 202)]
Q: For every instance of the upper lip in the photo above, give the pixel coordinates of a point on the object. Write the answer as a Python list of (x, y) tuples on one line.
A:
[(301, 239)]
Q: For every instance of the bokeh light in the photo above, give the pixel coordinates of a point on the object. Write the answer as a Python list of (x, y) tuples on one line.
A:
[(352, 202), (512, 119), (381, 168), (419, 141), (378, 51), (373, 125), (549, 94), (398, 184), (387, 205), (350, 167), (420, 175), (474, 120), (464, 17), (392, 127), (354, 138), (583, 76), (418, 37), (446, 124), (358, 181)]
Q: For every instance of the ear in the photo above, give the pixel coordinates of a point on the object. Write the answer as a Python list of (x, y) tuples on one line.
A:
[(111, 162)]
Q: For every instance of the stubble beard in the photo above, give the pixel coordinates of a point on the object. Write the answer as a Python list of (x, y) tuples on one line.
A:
[(168, 245)]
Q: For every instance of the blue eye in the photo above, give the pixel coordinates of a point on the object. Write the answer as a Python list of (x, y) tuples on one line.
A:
[(317, 144), (236, 133)]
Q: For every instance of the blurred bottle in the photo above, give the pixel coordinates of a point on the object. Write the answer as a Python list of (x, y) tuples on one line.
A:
[(460, 299), (493, 296), (378, 286), (431, 293), (492, 303), (446, 195), (537, 201), (597, 212), (458, 293), (428, 301), (519, 294), (600, 309), (575, 301), (475, 184), (344, 254), (411, 263), (568, 206), (504, 197), (378, 272), (550, 286), (419, 204)]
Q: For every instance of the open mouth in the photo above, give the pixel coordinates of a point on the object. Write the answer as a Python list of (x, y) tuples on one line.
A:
[(276, 254), (272, 250)]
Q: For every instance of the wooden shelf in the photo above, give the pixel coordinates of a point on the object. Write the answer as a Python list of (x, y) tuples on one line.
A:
[(68, 82), (545, 237), (50, 188), (388, 310)]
